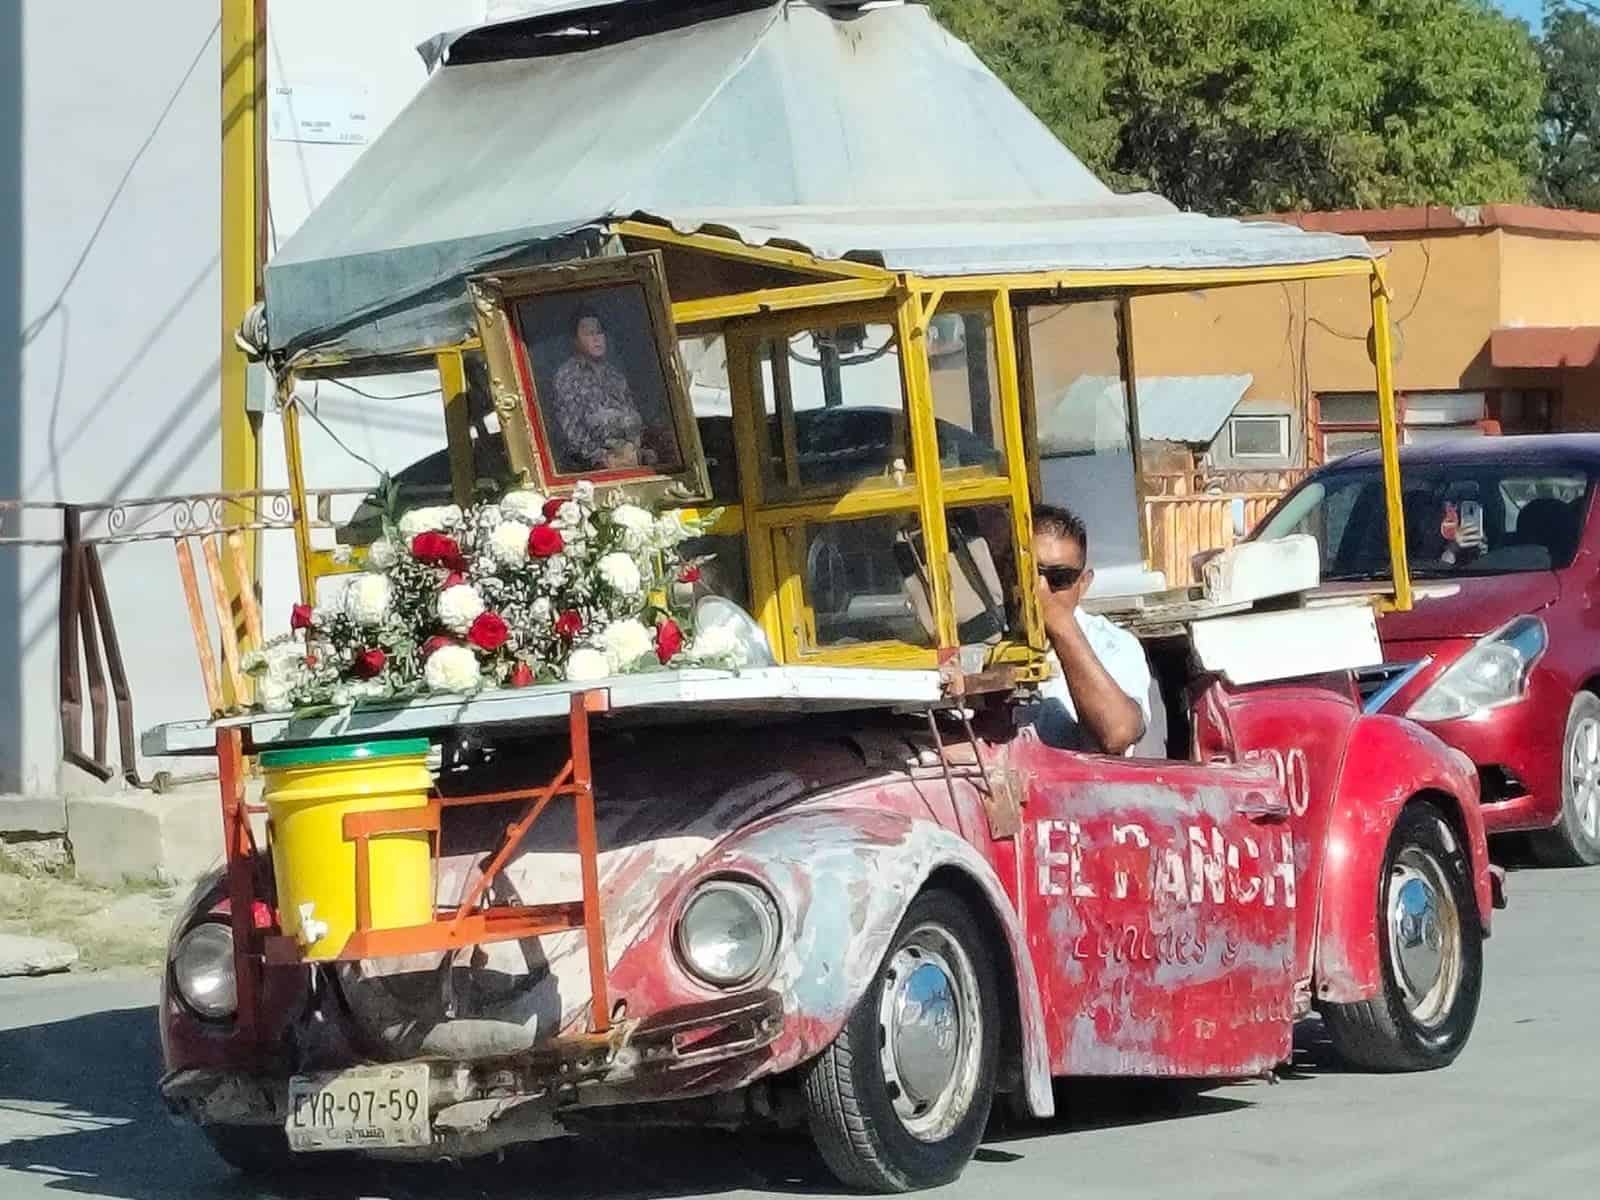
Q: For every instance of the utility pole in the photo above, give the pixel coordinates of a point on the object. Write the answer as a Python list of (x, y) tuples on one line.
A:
[(244, 40)]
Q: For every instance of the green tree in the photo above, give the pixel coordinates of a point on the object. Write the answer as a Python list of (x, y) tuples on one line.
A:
[(1054, 67), (1252, 105), (1569, 135)]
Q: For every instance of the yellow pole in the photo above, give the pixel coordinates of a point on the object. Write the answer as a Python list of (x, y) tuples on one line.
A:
[(1388, 432), (243, 43), (911, 325)]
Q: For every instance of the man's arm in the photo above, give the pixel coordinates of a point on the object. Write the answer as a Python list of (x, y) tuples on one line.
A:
[(1109, 714)]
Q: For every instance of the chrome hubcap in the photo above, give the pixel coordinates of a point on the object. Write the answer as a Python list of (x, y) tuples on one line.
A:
[(1583, 776), (928, 1027), (1424, 935)]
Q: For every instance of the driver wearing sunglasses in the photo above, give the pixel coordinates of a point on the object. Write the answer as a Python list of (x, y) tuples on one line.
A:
[(1097, 698)]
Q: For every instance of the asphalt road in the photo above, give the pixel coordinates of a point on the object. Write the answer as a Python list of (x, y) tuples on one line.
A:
[(1515, 1116)]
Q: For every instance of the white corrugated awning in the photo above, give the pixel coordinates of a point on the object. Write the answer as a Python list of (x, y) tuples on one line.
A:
[(870, 134), (1089, 415)]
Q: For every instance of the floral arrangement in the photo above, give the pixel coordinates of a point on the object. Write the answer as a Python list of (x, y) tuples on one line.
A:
[(509, 594)]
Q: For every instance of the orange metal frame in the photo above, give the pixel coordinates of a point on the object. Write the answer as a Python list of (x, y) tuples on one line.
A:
[(471, 922)]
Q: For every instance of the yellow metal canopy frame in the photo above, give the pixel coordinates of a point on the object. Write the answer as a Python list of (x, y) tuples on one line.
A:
[(772, 526)]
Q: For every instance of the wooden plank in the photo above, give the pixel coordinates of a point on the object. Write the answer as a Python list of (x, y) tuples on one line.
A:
[(197, 625)]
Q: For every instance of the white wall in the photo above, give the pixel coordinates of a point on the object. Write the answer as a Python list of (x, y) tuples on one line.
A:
[(118, 393)]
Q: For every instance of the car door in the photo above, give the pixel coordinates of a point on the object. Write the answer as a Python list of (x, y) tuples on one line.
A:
[(1159, 902)]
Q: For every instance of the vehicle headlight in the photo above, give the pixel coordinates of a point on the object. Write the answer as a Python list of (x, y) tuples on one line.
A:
[(202, 967), (728, 932), (1492, 673)]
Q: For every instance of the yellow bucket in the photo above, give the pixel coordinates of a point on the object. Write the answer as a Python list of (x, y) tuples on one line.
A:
[(308, 794)]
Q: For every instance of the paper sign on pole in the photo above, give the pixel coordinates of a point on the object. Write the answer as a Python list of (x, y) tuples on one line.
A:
[(339, 114)]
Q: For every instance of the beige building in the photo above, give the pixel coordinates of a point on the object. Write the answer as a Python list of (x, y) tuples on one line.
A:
[(1497, 329)]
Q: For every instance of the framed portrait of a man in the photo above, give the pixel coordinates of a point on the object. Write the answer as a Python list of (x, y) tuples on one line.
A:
[(584, 371)]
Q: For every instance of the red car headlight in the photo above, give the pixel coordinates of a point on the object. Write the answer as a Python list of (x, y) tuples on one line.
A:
[(1494, 672)]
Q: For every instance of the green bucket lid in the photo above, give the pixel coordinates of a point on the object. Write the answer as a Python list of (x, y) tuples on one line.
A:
[(311, 756)]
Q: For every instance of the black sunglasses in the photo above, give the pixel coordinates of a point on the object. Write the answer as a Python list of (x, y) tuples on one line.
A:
[(1060, 578)]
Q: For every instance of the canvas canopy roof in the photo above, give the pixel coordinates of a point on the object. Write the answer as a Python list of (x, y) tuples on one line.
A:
[(850, 131)]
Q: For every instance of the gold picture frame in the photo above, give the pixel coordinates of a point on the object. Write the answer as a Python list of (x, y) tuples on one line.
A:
[(586, 379)]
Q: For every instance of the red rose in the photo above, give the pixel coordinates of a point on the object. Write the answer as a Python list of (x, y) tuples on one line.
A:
[(300, 617), (689, 575), (488, 632), (552, 506), (545, 541), (521, 675), (569, 624), (437, 550), (453, 579), (669, 640), (436, 643), (368, 664), (311, 660)]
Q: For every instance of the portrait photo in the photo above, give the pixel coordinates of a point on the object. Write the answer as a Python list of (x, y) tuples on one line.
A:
[(593, 352)]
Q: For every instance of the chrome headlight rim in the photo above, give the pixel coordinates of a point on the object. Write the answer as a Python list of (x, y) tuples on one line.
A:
[(221, 934), (1524, 626), (761, 903)]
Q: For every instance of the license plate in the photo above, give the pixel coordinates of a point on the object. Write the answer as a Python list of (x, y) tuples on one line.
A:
[(364, 1108)]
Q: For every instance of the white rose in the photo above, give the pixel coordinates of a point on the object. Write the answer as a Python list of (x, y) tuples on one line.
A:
[(541, 610), (569, 515), (719, 644), (490, 515), (509, 543), (583, 492), (635, 523), (459, 607), (273, 696), (620, 573), (524, 504), (382, 554), (367, 599), (429, 520), (585, 664), (452, 669), (670, 530), (626, 642), (342, 555)]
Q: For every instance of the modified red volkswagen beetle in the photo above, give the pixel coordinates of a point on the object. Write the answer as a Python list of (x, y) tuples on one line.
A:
[(1500, 656)]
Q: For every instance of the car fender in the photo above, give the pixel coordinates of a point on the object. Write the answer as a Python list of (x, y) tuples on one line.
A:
[(1388, 763), (844, 878)]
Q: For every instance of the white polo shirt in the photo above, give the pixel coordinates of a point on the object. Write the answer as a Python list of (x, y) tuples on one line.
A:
[(1055, 717)]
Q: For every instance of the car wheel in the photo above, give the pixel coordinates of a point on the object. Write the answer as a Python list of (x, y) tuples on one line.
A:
[(899, 1101), (1575, 840), (1431, 941)]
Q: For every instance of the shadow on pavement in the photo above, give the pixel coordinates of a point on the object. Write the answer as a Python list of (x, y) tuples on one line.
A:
[(88, 1085)]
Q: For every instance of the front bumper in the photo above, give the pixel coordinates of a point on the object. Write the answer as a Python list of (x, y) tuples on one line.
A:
[(478, 1106), (1516, 747)]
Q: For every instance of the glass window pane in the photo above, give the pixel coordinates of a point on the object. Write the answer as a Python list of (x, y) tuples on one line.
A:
[(835, 409), (858, 578), (1348, 408), (1445, 408), (983, 574), (966, 393), (1260, 437), (705, 366), (1337, 445), (1086, 458)]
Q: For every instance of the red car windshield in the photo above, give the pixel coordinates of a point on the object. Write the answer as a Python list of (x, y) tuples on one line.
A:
[(1473, 519)]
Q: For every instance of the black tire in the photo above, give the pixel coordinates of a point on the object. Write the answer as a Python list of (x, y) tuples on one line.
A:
[(255, 1150), (1395, 1031), (1570, 844), (850, 1099)]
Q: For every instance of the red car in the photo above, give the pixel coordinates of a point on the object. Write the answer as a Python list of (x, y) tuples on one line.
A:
[(1499, 656)]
